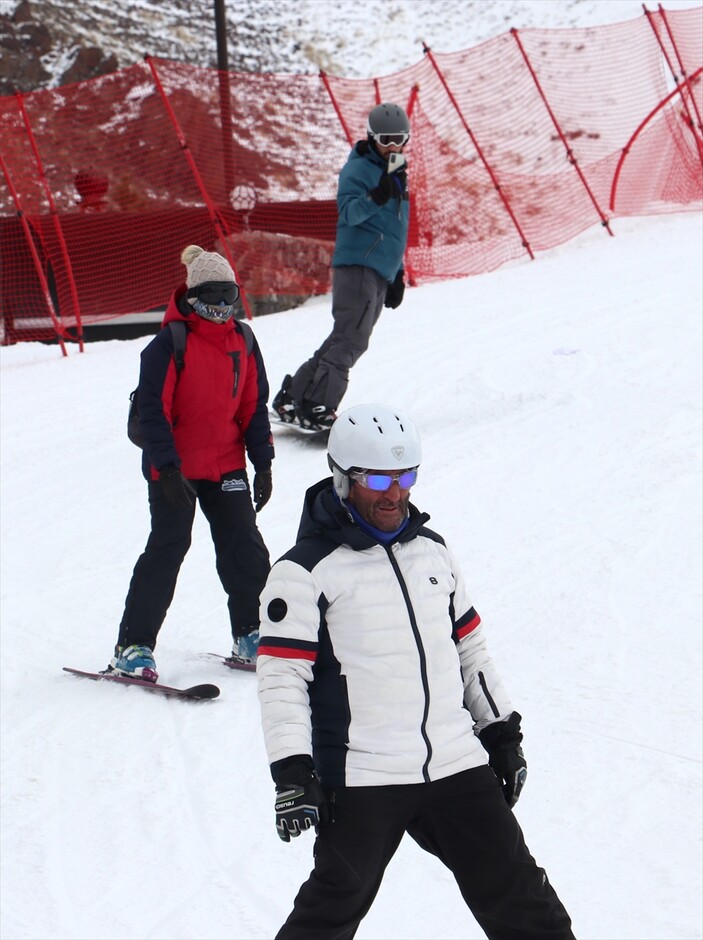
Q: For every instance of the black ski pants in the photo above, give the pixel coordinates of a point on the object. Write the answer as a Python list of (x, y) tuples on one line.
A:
[(242, 558), (463, 820)]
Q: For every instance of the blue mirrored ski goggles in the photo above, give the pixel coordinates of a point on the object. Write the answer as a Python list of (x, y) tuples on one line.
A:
[(380, 482)]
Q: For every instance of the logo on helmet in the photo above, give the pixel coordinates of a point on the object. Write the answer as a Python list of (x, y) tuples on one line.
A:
[(398, 452)]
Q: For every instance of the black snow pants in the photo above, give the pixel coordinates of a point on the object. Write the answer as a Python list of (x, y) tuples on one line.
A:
[(463, 820), (241, 556)]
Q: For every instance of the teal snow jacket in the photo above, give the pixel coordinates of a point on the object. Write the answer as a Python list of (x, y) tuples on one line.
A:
[(368, 234)]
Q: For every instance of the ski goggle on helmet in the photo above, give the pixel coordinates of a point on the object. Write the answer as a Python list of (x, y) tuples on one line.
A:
[(214, 300), (366, 442), (388, 124)]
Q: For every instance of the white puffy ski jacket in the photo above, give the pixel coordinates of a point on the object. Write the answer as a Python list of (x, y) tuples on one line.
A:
[(371, 657)]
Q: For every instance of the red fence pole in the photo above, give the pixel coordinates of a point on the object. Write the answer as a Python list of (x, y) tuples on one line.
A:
[(683, 70), (198, 178), (347, 132), (409, 107), (57, 223), (626, 149), (412, 98), (496, 184), (691, 122), (569, 152), (35, 257), (650, 20)]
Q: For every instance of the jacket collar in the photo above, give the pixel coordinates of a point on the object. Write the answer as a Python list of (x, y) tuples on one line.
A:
[(179, 309), (324, 516)]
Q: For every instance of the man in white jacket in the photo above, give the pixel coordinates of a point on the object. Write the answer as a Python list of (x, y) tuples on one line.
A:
[(382, 710)]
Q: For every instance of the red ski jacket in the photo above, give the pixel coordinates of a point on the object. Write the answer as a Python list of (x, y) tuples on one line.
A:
[(208, 416)]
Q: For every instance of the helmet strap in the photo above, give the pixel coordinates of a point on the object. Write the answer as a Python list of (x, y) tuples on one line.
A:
[(340, 479)]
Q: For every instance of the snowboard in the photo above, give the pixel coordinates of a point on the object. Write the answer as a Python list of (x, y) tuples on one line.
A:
[(294, 428), (195, 692), (232, 664)]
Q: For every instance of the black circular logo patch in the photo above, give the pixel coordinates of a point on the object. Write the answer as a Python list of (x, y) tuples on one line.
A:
[(277, 609)]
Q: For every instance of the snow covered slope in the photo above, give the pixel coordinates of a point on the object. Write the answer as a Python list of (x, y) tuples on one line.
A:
[(560, 407)]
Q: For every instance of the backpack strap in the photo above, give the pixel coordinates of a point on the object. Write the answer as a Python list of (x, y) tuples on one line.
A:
[(248, 335), (179, 332)]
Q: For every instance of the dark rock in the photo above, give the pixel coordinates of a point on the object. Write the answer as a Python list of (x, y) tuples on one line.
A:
[(34, 38), (8, 36), (23, 40), (89, 62), (19, 72), (23, 13)]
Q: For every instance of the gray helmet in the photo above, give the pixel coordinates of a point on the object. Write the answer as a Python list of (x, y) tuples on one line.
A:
[(371, 437), (388, 121)]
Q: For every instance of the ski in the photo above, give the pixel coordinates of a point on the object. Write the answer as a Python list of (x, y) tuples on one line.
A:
[(195, 692), (233, 664)]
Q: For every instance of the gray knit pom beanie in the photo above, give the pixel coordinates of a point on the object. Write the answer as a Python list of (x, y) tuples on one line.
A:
[(205, 266)]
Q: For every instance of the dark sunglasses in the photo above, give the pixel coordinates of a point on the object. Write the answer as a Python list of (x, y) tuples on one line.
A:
[(216, 293), (385, 140), (380, 482)]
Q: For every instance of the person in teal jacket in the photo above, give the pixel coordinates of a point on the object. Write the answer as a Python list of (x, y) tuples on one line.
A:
[(367, 267)]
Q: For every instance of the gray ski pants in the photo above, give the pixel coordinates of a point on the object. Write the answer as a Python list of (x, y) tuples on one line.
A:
[(357, 300)]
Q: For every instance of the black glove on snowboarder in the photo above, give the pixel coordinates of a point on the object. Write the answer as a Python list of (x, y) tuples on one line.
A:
[(300, 801), (402, 177), (177, 489), (263, 487), (390, 185), (395, 291), (502, 741)]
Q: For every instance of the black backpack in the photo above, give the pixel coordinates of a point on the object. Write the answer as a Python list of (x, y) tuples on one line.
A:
[(179, 331)]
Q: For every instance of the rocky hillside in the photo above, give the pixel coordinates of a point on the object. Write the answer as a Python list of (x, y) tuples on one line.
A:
[(47, 43)]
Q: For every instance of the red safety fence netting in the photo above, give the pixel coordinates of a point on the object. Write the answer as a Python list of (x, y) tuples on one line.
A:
[(517, 145)]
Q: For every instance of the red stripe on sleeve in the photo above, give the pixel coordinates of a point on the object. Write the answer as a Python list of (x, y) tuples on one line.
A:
[(287, 653), (468, 628)]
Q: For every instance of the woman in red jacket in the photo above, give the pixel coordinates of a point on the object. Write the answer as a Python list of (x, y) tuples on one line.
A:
[(199, 424)]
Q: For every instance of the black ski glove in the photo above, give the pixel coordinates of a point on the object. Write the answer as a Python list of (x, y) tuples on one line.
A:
[(402, 177), (384, 191), (263, 487), (390, 185), (177, 489), (395, 291), (502, 741), (300, 801)]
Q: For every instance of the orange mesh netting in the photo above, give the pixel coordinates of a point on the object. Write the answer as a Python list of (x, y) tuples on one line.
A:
[(517, 145)]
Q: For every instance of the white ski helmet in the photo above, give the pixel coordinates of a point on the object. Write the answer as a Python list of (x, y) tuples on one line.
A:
[(371, 437)]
